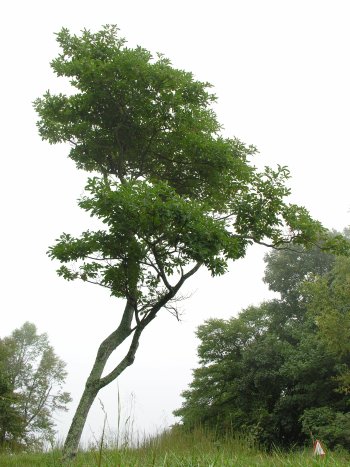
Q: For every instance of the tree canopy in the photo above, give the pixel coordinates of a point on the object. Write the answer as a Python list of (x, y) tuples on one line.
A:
[(171, 192)]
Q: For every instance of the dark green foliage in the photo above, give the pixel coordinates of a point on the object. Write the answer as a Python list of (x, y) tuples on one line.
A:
[(171, 190), (331, 426), (135, 116), (31, 378), (328, 301), (268, 370)]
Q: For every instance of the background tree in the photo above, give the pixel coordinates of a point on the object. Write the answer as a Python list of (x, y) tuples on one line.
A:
[(328, 300), (11, 421), (269, 372), (172, 193), (32, 376)]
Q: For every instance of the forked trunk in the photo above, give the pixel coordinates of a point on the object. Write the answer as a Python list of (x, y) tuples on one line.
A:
[(94, 382)]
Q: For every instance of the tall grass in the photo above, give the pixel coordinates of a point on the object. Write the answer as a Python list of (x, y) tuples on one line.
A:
[(171, 448), (177, 448)]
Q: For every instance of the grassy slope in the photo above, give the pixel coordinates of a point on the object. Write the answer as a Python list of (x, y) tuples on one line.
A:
[(177, 449)]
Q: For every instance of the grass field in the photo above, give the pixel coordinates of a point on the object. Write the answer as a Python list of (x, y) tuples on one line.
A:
[(178, 449)]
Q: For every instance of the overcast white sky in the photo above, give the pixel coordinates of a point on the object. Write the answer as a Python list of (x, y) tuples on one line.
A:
[(281, 72)]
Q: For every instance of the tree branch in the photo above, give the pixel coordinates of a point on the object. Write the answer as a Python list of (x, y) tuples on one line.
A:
[(161, 270), (171, 294), (127, 360), (130, 356), (40, 406), (271, 245), (120, 334), (95, 283)]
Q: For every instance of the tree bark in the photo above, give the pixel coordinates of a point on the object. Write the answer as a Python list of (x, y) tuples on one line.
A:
[(75, 431), (93, 383)]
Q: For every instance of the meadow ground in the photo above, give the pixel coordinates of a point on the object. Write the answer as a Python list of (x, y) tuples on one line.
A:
[(177, 449)]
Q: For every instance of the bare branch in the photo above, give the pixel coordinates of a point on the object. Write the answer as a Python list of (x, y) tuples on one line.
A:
[(96, 283), (172, 305), (170, 294), (41, 404), (222, 218), (93, 258), (275, 246)]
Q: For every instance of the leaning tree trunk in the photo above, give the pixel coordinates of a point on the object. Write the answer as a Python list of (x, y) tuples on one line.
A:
[(73, 438), (94, 382)]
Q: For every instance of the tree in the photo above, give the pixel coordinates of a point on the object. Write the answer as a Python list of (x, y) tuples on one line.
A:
[(328, 300), (172, 193), (32, 376), (287, 269), (11, 421), (269, 372)]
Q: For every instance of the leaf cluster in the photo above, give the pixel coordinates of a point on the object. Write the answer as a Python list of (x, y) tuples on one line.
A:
[(136, 116), (170, 189)]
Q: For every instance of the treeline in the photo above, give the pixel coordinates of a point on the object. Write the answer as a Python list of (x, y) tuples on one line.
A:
[(280, 372), (31, 381)]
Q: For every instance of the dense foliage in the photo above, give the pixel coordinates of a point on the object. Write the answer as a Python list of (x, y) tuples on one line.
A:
[(31, 380), (169, 188), (279, 370), (172, 193)]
